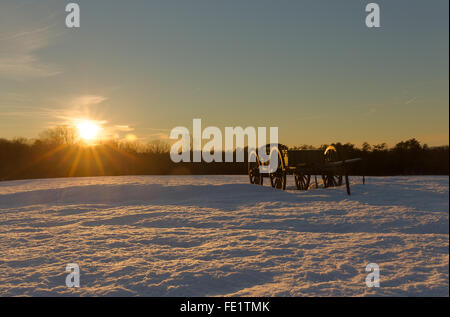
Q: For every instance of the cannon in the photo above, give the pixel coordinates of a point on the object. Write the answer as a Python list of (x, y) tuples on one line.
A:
[(303, 165)]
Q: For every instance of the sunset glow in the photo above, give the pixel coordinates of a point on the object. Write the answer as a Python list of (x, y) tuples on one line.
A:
[(88, 130)]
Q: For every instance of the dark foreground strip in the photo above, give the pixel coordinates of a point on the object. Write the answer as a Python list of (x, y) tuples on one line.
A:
[(221, 306)]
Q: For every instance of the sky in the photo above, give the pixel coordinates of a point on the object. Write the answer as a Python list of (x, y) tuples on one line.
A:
[(311, 68)]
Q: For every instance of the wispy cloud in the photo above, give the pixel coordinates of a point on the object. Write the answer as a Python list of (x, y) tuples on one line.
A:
[(160, 136), (88, 107), (78, 107), (18, 59), (19, 45), (87, 100), (123, 128), (73, 109), (407, 102)]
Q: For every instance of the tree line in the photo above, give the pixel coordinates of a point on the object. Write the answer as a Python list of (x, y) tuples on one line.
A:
[(59, 153)]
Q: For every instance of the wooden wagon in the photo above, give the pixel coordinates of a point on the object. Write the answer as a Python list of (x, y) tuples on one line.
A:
[(303, 165)]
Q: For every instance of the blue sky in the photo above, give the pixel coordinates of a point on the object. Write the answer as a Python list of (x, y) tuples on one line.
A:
[(312, 68)]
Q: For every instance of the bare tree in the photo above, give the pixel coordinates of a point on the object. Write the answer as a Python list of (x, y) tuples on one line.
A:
[(60, 135)]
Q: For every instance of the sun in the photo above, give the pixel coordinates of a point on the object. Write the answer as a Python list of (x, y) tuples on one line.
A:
[(88, 130)]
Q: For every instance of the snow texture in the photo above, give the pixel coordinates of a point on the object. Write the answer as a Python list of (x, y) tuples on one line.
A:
[(220, 236)]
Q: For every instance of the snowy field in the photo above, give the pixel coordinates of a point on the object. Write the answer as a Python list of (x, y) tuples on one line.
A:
[(219, 235)]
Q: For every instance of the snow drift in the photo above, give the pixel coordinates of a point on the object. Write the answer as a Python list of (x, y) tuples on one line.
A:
[(219, 235)]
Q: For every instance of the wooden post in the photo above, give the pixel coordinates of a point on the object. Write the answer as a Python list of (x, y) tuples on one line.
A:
[(347, 184)]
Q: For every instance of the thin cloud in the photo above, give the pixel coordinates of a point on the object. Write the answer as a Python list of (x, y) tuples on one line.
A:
[(19, 46), (158, 136), (87, 100), (155, 129), (70, 111), (410, 101), (123, 128), (78, 106)]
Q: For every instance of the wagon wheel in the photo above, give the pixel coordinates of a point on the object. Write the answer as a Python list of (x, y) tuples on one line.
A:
[(253, 170), (302, 181), (278, 178), (331, 180)]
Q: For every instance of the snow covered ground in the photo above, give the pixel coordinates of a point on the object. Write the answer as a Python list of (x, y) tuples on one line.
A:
[(219, 235)]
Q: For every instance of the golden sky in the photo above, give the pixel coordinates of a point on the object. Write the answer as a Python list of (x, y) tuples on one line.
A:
[(311, 68)]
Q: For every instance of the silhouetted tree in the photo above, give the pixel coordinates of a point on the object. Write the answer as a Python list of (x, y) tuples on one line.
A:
[(59, 154), (60, 135)]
